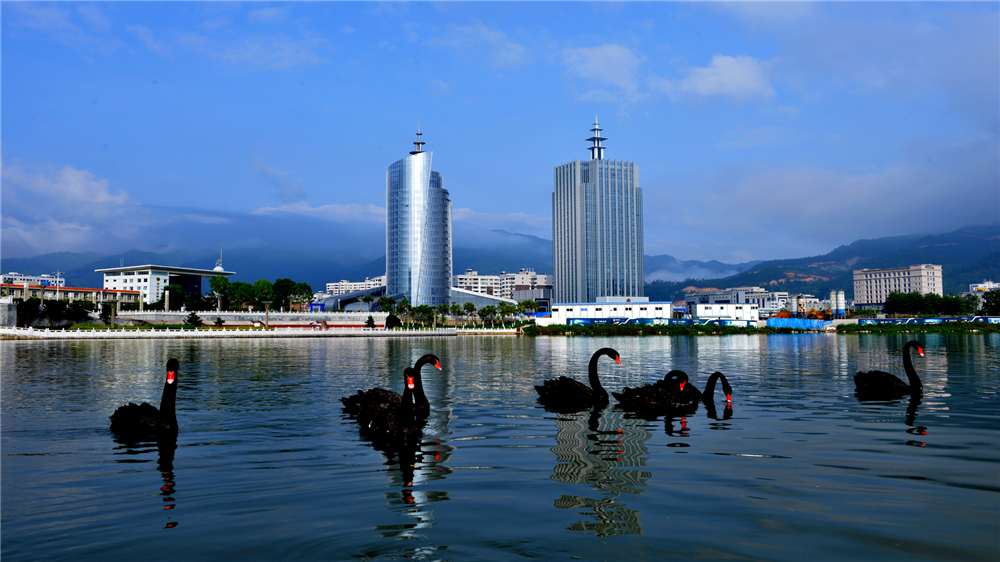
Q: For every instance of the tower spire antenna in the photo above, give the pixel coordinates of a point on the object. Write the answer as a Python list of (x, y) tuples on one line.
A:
[(597, 150), (419, 144)]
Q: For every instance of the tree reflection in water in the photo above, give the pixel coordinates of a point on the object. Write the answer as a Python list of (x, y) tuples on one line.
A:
[(602, 449)]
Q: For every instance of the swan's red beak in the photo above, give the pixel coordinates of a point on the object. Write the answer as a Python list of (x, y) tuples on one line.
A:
[(682, 385), (409, 383), (438, 365), (618, 360), (729, 399), (920, 350), (170, 376)]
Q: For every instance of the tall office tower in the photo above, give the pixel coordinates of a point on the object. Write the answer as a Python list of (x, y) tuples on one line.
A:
[(597, 227), (418, 230)]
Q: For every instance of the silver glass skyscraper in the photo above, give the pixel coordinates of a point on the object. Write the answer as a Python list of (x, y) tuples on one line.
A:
[(597, 227), (418, 231)]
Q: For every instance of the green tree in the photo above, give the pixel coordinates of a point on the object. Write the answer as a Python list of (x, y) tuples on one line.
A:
[(370, 323), (469, 309), (991, 303), (442, 310), (455, 309), (263, 290), (404, 308), (177, 296), (385, 303), (220, 290), (423, 313), (528, 305), (28, 311), (240, 295), (488, 311), (367, 299), (193, 319)]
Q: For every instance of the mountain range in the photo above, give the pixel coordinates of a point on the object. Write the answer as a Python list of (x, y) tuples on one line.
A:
[(968, 255)]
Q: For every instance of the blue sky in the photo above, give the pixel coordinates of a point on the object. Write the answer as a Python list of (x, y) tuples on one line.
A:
[(760, 130)]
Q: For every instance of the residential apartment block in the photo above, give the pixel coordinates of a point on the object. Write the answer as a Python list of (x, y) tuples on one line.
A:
[(344, 286), (872, 286)]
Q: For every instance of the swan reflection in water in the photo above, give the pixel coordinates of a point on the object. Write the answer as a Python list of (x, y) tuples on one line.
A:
[(165, 448), (605, 451), (913, 404)]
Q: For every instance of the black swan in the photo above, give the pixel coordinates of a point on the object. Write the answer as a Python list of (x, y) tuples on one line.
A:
[(709, 394), (662, 397), (565, 395), (369, 404), (879, 385), (137, 420), (397, 422)]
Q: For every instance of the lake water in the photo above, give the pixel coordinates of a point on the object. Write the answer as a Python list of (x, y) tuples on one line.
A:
[(268, 468)]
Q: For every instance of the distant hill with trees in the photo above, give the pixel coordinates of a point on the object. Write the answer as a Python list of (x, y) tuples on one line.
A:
[(968, 255)]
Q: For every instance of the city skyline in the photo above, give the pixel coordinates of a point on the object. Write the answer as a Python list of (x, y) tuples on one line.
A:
[(763, 130)]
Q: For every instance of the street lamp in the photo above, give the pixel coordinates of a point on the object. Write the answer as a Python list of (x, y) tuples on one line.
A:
[(267, 314)]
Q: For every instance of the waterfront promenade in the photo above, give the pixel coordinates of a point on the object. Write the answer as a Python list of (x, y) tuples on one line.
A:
[(53, 334)]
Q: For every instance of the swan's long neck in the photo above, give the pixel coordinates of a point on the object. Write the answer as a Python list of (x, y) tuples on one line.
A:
[(168, 417), (911, 374), (595, 381), (709, 393)]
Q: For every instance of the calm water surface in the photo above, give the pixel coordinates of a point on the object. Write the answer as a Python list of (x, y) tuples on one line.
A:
[(266, 466)]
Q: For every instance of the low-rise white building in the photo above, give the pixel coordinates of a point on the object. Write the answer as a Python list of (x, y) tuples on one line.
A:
[(727, 312), (344, 286), (151, 280), (43, 280), (504, 285), (767, 303)]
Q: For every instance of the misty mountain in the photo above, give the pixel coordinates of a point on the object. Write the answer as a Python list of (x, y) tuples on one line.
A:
[(967, 255)]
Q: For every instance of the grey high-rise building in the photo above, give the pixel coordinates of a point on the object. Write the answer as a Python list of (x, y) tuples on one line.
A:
[(418, 231), (597, 227)]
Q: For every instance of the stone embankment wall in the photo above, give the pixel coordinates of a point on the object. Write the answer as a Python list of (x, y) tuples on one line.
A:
[(274, 319), (8, 314)]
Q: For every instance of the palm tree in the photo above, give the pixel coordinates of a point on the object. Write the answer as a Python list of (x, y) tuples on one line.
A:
[(367, 299), (488, 311), (455, 310), (403, 308), (442, 309), (528, 305), (469, 308), (505, 309), (383, 303)]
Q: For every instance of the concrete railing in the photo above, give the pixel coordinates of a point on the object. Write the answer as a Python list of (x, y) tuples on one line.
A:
[(62, 334)]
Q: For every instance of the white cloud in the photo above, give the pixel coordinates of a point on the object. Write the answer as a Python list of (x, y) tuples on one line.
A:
[(339, 213), (267, 15), (277, 53), (522, 223), (493, 44), (288, 187), (146, 36), (607, 65), (94, 17), (740, 78), (760, 136), (67, 184)]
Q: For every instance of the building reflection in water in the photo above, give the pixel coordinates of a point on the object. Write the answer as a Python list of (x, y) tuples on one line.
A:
[(128, 451), (606, 451)]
